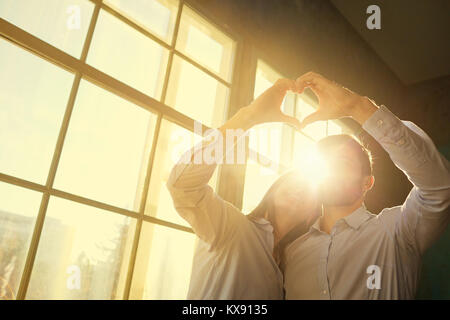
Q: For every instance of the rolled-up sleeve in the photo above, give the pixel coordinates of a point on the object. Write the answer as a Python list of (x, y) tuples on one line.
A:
[(213, 219), (424, 215)]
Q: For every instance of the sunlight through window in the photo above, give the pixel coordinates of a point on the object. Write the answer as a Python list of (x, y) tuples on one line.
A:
[(196, 94), (271, 139), (163, 264), (31, 112), (18, 210), (316, 130), (258, 180), (138, 61), (83, 253), (62, 23), (106, 148), (205, 44), (157, 16)]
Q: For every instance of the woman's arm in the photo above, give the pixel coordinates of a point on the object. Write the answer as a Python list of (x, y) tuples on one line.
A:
[(212, 218)]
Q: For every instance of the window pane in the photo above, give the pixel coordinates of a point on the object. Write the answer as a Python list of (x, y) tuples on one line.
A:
[(173, 141), (316, 130), (302, 147), (267, 139), (33, 97), (196, 94), (258, 180), (264, 79), (61, 23), (333, 128), (106, 150), (157, 16), (271, 139), (205, 44), (83, 253), (18, 210), (163, 263), (128, 55)]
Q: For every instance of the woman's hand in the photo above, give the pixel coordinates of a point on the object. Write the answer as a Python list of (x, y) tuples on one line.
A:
[(265, 108), (335, 101)]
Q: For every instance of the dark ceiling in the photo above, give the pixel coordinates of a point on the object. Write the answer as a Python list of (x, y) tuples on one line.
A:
[(414, 40)]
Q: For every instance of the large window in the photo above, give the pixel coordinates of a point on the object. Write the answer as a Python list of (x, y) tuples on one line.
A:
[(94, 114)]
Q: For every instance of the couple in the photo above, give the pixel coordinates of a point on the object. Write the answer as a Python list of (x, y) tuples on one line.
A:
[(302, 242)]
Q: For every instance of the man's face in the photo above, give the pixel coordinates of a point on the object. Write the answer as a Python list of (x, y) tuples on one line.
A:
[(344, 183)]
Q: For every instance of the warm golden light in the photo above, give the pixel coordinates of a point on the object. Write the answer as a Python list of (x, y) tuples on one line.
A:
[(313, 166)]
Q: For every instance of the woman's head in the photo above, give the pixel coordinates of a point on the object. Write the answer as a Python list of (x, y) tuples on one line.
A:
[(291, 194)]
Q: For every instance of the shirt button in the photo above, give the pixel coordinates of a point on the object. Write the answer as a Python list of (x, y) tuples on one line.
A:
[(401, 142), (324, 291), (380, 123)]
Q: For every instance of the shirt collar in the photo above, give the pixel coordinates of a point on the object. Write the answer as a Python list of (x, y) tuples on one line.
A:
[(265, 224), (354, 219), (357, 217)]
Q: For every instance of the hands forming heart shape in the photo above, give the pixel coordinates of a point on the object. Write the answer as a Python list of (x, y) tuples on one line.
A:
[(335, 101)]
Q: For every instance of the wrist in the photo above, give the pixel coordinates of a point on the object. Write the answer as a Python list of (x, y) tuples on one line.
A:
[(242, 119), (245, 118), (363, 108)]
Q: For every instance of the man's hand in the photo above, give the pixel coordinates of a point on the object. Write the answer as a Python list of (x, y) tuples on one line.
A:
[(335, 101)]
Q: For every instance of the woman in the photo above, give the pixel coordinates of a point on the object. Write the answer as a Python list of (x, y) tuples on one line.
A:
[(237, 256)]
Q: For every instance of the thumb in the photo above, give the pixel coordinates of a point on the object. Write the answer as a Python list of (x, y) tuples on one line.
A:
[(313, 117), (292, 121)]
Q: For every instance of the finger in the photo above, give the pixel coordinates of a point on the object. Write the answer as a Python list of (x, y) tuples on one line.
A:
[(286, 84), (310, 78), (293, 85), (305, 80), (313, 117), (317, 91), (292, 121)]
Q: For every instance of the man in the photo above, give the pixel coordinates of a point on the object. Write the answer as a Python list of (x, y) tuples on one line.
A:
[(350, 253)]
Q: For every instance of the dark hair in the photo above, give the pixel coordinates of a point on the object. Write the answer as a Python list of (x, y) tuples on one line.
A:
[(363, 154)]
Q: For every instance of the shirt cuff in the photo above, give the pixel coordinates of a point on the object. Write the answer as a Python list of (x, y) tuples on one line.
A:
[(384, 126)]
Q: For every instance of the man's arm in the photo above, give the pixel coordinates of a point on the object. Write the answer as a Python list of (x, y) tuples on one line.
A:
[(424, 215)]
